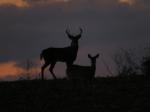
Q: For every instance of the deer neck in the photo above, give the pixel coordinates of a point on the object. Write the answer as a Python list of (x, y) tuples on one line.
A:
[(93, 66), (74, 45)]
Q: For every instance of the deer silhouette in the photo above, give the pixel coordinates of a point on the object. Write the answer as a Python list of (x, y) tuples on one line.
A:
[(84, 73), (66, 54)]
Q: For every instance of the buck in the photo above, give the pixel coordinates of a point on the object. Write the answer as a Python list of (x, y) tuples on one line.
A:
[(83, 73), (66, 54)]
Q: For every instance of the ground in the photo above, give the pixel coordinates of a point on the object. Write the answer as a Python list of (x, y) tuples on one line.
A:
[(120, 94)]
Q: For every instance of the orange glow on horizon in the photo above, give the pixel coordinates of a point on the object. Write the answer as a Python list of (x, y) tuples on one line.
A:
[(72, 3), (25, 3), (17, 3), (127, 2), (10, 68)]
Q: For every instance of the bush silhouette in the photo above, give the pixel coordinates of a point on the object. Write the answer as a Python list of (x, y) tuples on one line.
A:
[(145, 65)]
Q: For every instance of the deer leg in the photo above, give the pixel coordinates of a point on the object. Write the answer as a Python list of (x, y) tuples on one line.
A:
[(51, 69), (42, 69)]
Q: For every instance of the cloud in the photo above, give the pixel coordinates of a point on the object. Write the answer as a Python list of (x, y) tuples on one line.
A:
[(17, 3), (71, 5), (137, 4), (10, 68), (15, 69), (29, 3), (128, 2)]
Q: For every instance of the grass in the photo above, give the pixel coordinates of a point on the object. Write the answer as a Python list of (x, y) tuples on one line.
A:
[(126, 94)]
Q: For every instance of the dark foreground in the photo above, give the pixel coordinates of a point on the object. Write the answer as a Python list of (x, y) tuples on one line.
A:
[(130, 94)]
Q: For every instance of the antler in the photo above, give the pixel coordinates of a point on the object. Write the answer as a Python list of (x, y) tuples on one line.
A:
[(81, 30), (67, 32), (79, 35), (69, 35)]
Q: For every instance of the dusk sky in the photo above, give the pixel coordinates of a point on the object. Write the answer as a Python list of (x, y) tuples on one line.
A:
[(29, 26)]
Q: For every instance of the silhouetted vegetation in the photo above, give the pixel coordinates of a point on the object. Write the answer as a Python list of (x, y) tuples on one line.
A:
[(126, 64), (145, 66)]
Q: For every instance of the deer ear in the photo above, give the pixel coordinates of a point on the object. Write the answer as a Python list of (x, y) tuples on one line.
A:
[(89, 56), (97, 56)]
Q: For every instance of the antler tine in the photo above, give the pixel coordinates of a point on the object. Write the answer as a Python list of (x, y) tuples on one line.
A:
[(89, 55), (81, 30), (67, 31)]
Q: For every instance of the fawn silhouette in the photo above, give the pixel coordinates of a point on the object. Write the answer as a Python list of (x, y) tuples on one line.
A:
[(66, 54), (84, 73)]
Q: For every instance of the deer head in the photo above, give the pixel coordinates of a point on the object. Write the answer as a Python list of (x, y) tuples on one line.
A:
[(74, 38), (93, 58)]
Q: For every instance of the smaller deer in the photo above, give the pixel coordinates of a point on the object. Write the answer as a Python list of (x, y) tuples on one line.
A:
[(83, 73)]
